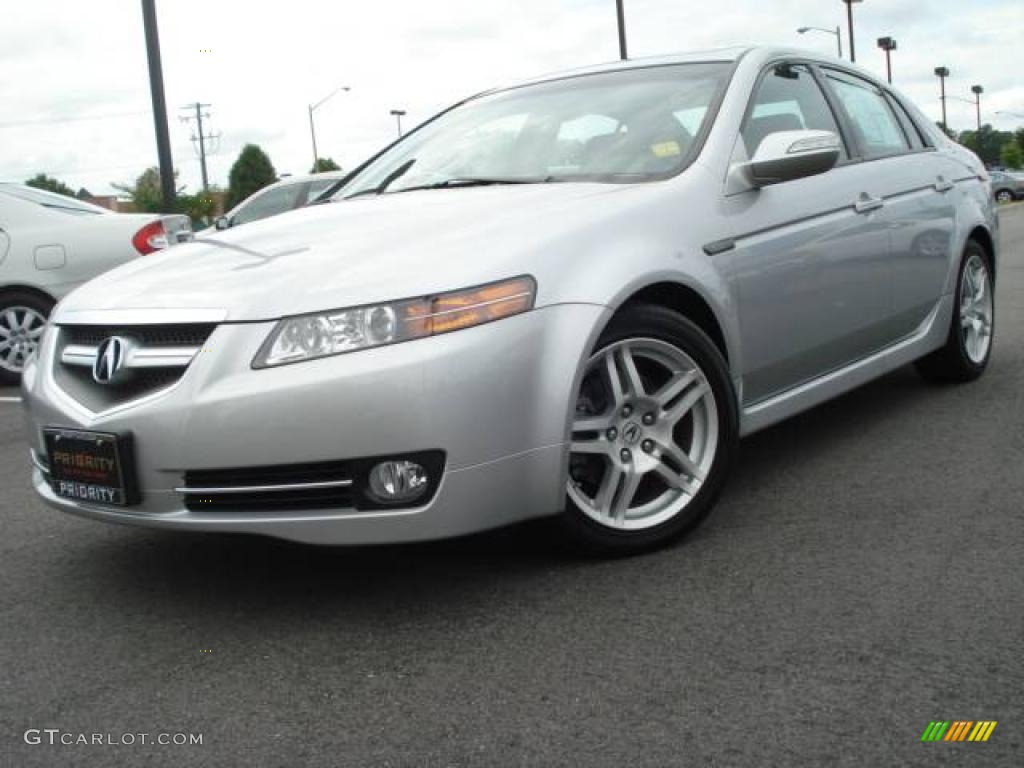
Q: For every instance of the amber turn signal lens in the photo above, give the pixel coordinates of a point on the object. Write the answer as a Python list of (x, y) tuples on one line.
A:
[(474, 306)]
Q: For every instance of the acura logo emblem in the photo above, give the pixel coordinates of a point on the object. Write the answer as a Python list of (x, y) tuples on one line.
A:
[(631, 433), (110, 359)]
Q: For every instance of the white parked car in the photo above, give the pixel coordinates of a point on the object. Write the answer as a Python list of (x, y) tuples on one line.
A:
[(49, 245), (285, 195)]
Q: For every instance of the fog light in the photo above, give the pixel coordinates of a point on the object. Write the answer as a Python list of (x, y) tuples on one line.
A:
[(396, 481)]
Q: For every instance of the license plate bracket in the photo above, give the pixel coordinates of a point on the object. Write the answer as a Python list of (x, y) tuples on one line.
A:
[(94, 467)]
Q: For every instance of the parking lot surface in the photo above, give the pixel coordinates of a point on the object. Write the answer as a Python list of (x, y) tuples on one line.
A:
[(862, 575)]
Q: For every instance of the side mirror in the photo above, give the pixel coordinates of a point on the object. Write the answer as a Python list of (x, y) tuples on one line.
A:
[(222, 222), (790, 155)]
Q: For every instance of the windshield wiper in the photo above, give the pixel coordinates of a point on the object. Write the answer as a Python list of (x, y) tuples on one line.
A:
[(471, 181), (379, 189)]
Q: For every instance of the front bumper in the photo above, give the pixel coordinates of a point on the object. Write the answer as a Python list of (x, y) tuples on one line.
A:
[(496, 399)]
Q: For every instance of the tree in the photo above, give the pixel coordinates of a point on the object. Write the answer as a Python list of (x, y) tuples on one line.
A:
[(1011, 155), (251, 172), (50, 184), (146, 193), (987, 143), (324, 164), (199, 207)]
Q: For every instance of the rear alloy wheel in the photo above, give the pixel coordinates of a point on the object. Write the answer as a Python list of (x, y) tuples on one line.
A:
[(653, 431), (22, 320), (968, 347), (1004, 196)]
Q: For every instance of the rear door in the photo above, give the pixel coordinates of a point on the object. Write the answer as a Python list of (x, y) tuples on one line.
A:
[(811, 257), (916, 188)]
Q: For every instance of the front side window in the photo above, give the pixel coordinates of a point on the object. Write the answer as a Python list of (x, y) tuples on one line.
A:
[(874, 125), (629, 125), (269, 203), (787, 99)]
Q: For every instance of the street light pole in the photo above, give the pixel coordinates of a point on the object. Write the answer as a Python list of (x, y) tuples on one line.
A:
[(942, 73), (977, 90), (837, 33), (849, 23), (888, 45), (622, 29), (399, 114), (312, 126), (156, 90)]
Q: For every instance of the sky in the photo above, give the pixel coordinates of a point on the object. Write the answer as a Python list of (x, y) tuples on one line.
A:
[(74, 82)]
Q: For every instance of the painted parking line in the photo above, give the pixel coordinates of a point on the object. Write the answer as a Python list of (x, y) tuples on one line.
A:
[(10, 399)]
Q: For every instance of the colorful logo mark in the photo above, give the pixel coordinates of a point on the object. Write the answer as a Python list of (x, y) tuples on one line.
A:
[(958, 730)]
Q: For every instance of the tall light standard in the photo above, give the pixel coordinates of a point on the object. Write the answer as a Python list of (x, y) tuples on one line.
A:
[(620, 12), (942, 73), (312, 126), (399, 114), (888, 45), (836, 32), (977, 90), (849, 23), (156, 91)]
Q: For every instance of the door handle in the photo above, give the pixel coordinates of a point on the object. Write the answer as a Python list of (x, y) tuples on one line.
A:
[(865, 204), (941, 185)]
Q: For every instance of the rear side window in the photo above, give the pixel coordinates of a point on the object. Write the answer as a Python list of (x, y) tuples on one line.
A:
[(917, 141), (787, 99), (874, 124)]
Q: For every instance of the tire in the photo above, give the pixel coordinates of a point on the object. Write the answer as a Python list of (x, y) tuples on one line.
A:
[(22, 319), (968, 348), (1004, 196), (662, 441)]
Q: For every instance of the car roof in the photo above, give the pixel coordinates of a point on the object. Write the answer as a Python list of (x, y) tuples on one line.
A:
[(731, 54)]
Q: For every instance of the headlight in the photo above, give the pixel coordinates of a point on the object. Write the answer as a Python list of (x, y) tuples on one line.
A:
[(308, 337)]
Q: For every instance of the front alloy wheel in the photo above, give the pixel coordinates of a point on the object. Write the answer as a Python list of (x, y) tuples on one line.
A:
[(653, 429)]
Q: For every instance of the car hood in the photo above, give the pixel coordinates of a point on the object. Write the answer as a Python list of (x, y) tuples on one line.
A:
[(354, 252)]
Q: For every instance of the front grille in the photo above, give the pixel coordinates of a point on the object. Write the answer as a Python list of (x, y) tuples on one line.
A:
[(184, 335), (252, 489), (75, 376)]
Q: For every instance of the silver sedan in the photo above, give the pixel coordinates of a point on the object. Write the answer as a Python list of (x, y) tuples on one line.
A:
[(570, 297)]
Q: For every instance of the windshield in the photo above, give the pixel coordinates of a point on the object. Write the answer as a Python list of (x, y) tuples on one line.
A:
[(627, 125), (51, 200)]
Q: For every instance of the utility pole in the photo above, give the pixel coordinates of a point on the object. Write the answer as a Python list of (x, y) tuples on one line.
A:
[(622, 29), (156, 90), (202, 137)]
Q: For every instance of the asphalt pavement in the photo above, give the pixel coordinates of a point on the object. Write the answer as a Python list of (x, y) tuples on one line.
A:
[(862, 575)]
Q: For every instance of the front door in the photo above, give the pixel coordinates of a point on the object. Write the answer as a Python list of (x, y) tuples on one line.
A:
[(811, 261)]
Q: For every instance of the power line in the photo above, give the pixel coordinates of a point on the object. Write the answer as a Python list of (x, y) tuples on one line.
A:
[(199, 137), (77, 119)]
